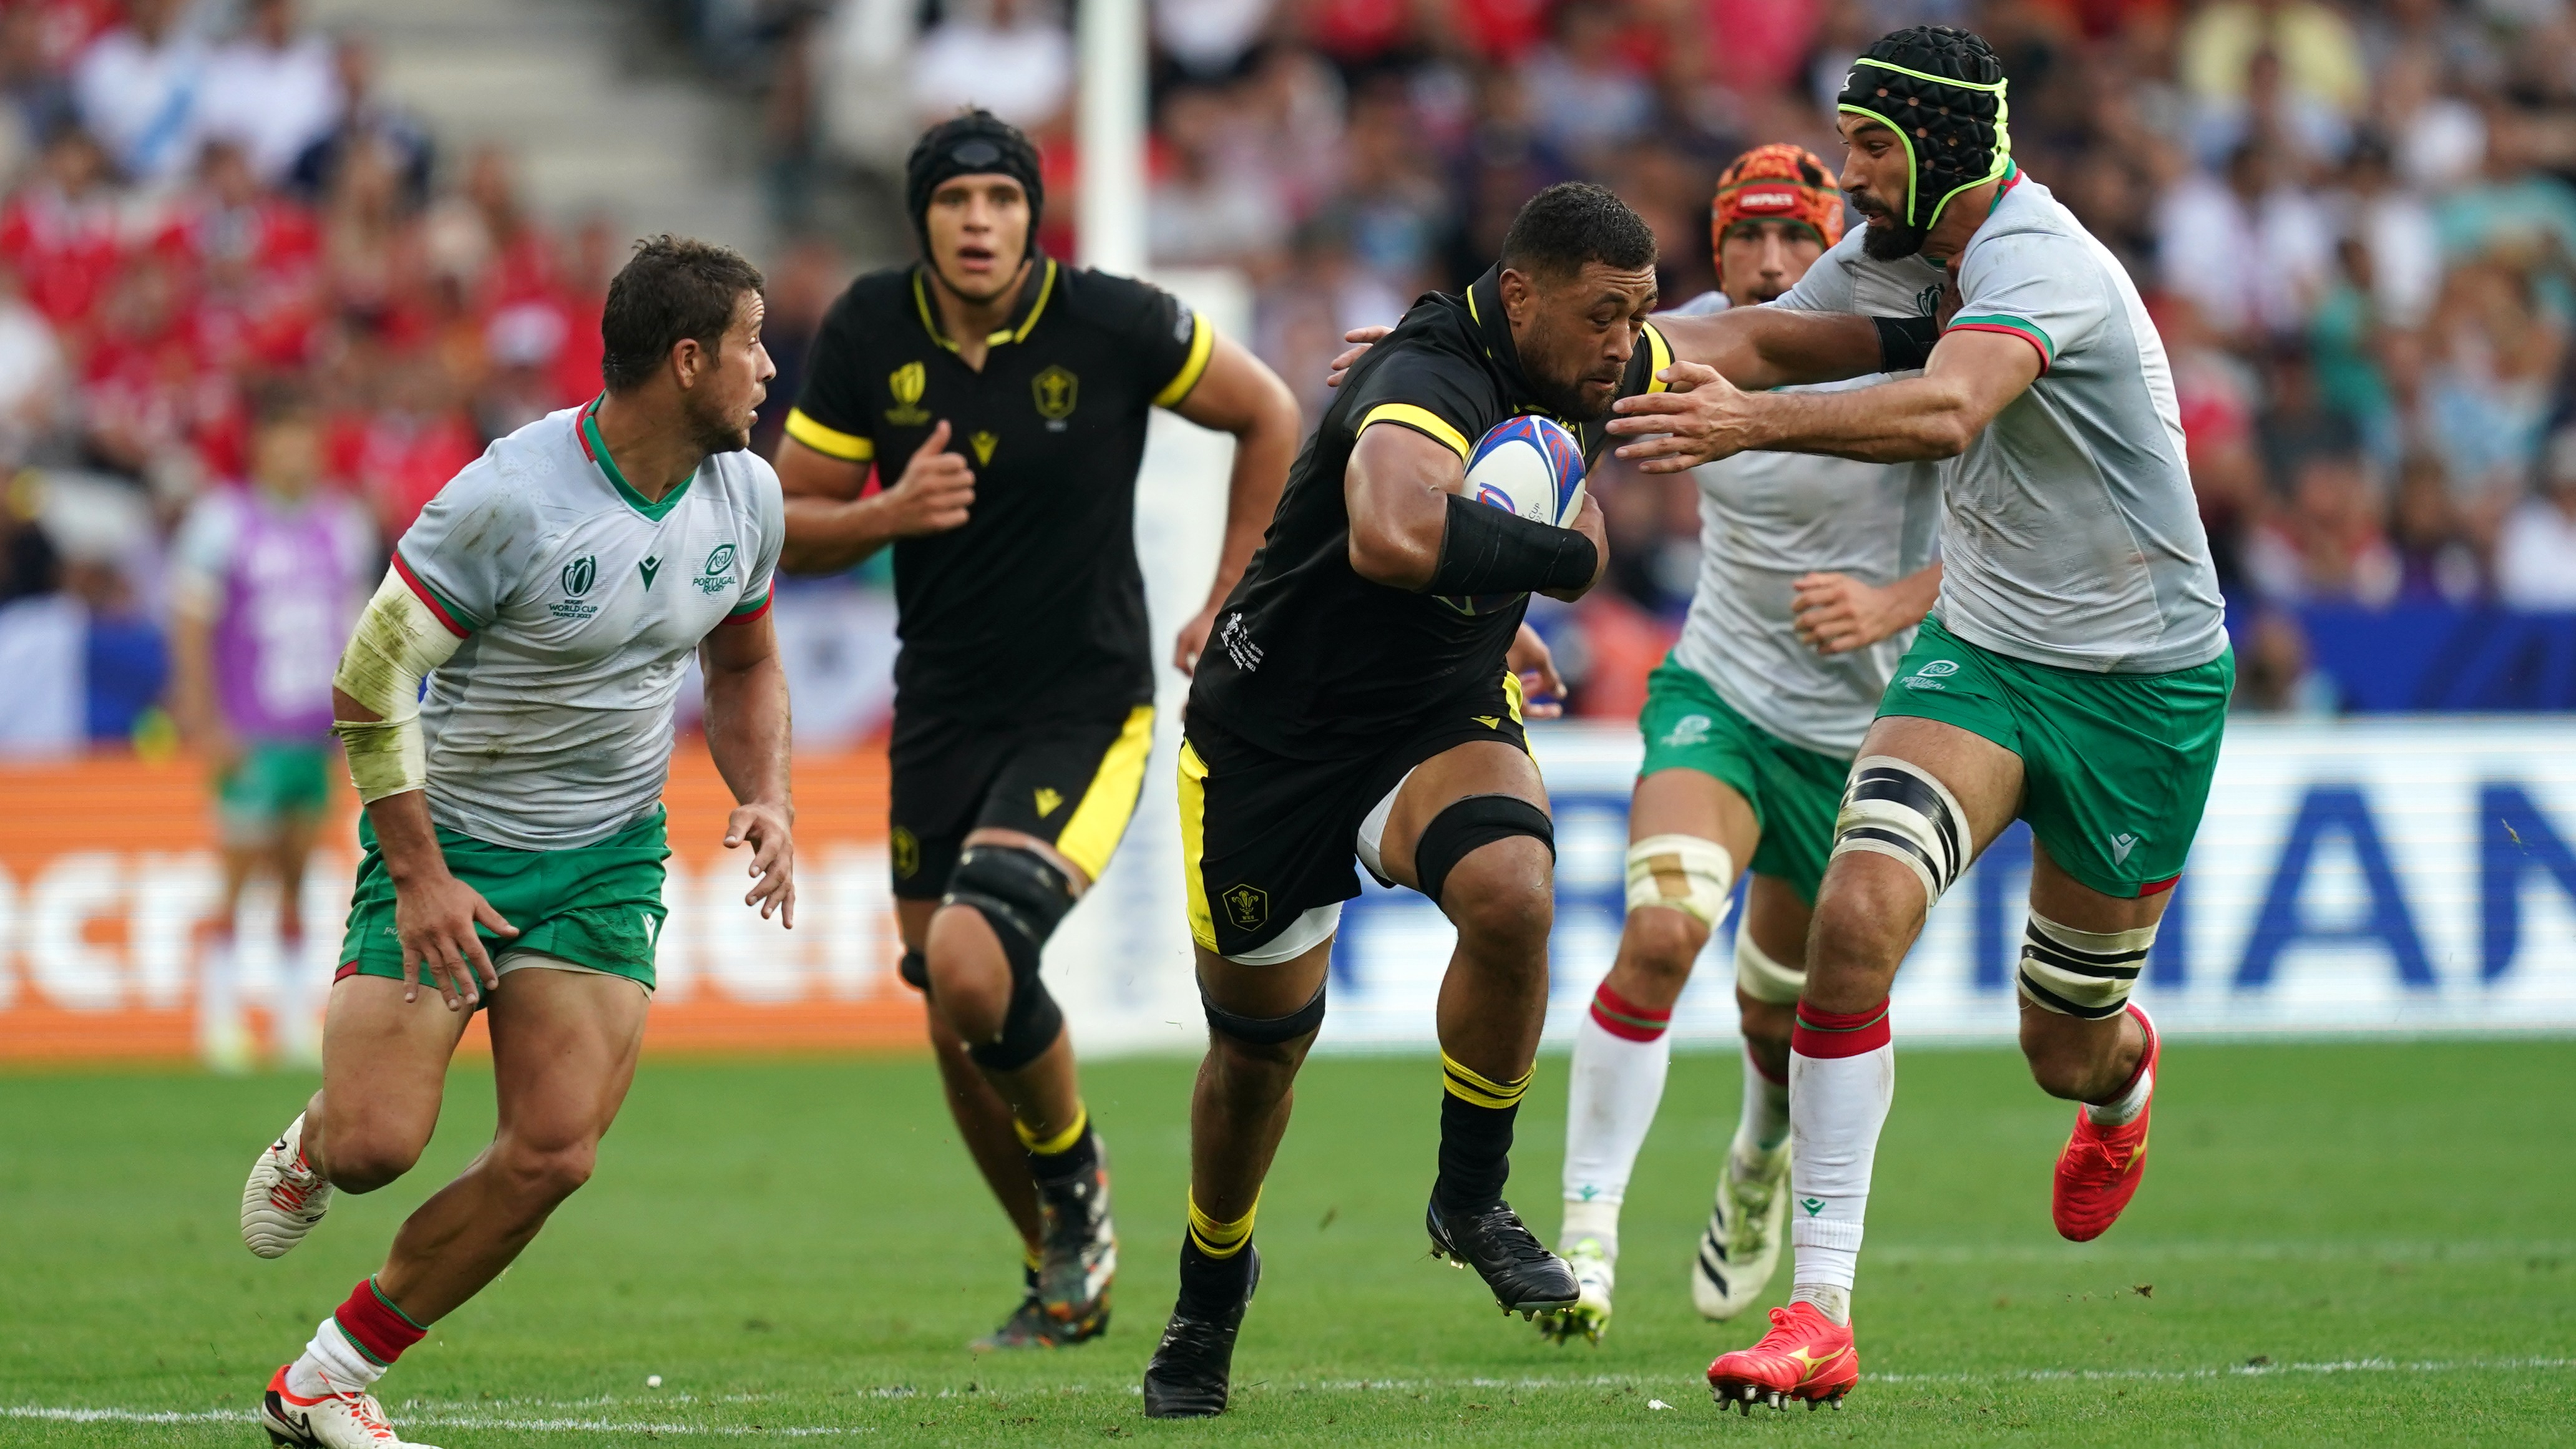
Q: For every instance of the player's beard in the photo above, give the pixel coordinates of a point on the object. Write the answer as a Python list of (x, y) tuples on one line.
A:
[(1883, 238), (713, 432)]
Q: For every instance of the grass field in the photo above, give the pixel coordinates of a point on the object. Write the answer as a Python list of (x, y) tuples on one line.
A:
[(2358, 1243)]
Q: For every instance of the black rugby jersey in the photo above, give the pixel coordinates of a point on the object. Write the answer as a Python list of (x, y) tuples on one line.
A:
[(1313, 661), (1035, 606)]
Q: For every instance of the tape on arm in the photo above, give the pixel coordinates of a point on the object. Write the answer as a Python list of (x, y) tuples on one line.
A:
[(397, 642)]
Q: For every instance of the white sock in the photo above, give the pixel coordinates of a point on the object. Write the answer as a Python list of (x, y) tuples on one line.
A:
[(1765, 1123), (2124, 1108), (330, 1353), (1622, 1054), (1597, 1220), (1842, 1078)]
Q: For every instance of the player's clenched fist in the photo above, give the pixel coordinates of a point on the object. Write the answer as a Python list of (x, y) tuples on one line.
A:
[(934, 493)]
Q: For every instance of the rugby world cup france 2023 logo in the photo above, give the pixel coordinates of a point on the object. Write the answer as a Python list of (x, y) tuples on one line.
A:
[(577, 578)]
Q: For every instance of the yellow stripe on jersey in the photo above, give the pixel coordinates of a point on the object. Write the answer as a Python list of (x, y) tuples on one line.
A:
[(1660, 353), (830, 442), (1091, 833), (1202, 344), (1512, 695), (1421, 420), (1194, 846)]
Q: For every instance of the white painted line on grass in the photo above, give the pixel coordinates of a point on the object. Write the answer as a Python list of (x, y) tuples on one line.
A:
[(433, 1416), (54, 1414)]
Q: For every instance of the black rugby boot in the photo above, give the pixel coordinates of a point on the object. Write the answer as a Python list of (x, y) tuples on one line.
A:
[(1192, 1371), (1526, 1278)]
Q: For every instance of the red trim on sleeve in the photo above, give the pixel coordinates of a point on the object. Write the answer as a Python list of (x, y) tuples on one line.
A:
[(347, 970), (2042, 347), (765, 601), (426, 597), (2158, 887), (1839, 1034)]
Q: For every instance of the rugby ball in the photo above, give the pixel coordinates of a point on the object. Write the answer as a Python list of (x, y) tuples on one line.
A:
[(1527, 465)]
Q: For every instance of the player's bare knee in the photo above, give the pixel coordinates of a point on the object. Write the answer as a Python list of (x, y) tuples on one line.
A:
[(1657, 949), (366, 1157), (1502, 897), (541, 1173)]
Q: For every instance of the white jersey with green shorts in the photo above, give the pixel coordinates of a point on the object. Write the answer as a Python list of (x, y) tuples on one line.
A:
[(1742, 698), (549, 731), (2071, 547)]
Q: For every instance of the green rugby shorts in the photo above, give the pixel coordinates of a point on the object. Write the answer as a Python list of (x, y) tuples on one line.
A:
[(1795, 792), (2116, 767), (596, 905)]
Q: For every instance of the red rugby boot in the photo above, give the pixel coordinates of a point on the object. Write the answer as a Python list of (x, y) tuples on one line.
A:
[(1805, 1356), (2099, 1170)]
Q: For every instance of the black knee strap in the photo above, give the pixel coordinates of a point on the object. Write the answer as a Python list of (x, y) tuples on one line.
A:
[(1023, 897), (915, 971), (1267, 1030), (1020, 895), (1468, 823), (1033, 1024)]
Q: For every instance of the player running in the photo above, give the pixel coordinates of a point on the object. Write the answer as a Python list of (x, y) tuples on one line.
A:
[(1813, 573), (2074, 674), (1023, 705), (514, 831), (1348, 709), (265, 579)]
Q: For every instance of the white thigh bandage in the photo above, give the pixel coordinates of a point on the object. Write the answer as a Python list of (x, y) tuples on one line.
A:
[(1762, 978), (1683, 872), (397, 642), (1895, 808), (1311, 929), (2081, 973)]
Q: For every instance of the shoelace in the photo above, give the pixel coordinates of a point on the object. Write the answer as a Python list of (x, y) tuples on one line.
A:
[(1504, 1228)]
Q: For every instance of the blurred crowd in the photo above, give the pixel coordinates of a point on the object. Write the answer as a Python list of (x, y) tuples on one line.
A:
[(207, 203), (2354, 223), (2353, 220)]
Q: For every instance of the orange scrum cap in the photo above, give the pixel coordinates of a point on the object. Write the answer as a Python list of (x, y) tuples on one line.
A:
[(1778, 182)]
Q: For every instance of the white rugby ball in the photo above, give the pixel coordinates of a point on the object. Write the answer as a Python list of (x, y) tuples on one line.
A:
[(1531, 466), (1527, 465)]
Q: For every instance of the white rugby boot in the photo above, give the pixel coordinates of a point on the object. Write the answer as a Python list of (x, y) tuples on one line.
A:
[(344, 1418), (283, 1198), (1594, 1276), (1746, 1226)]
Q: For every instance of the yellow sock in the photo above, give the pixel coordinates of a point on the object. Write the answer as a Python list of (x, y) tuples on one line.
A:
[(1221, 1240), (1061, 1142)]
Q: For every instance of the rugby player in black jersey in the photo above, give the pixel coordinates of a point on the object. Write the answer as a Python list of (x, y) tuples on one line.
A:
[(1015, 390), (1350, 708)]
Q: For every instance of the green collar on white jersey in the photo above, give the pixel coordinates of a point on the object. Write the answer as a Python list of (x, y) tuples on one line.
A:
[(595, 448)]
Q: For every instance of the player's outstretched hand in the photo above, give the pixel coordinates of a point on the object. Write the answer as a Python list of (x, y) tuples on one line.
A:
[(934, 494), (1363, 339), (1587, 521), (1542, 688), (1836, 613), (435, 920), (1700, 418), (764, 827)]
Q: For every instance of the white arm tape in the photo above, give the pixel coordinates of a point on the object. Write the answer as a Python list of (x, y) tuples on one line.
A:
[(397, 643)]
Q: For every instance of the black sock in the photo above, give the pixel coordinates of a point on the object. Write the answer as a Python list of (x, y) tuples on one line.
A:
[(1475, 1154), (1212, 1287), (1070, 1164)]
